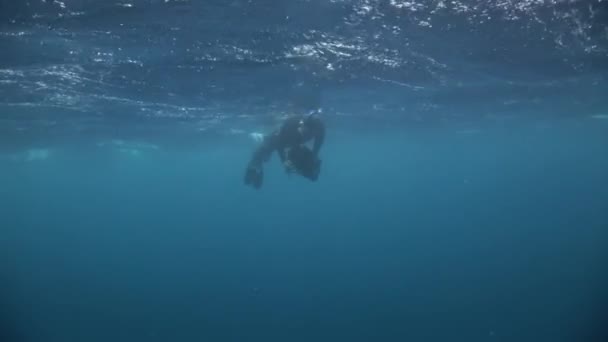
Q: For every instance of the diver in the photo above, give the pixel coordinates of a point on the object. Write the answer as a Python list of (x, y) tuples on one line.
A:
[(289, 141)]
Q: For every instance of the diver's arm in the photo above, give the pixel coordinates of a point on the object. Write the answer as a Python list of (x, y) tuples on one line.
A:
[(281, 151), (319, 137), (282, 140)]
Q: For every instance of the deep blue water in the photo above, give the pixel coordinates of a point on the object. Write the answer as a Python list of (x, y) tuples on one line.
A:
[(463, 194)]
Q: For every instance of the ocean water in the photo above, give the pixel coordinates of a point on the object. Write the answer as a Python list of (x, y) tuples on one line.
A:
[(463, 194)]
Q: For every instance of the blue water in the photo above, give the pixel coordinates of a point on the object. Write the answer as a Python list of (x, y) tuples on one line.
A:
[(463, 194)]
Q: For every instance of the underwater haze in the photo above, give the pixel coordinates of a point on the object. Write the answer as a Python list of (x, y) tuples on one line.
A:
[(463, 193)]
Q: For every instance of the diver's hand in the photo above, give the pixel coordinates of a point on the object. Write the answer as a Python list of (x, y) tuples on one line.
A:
[(289, 167)]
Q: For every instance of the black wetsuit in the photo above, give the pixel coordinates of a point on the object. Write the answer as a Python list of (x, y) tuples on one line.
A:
[(288, 141)]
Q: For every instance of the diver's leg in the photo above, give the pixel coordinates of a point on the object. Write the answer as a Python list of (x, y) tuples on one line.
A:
[(257, 137), (264, 151), (254, 175)]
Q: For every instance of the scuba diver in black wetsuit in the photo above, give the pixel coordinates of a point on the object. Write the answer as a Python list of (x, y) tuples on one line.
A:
[(289, 142)]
